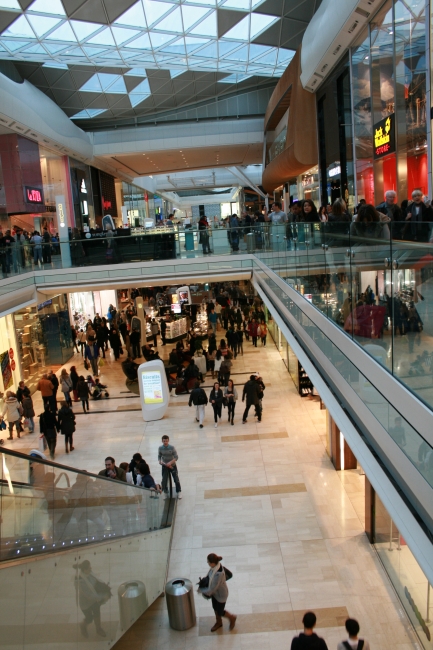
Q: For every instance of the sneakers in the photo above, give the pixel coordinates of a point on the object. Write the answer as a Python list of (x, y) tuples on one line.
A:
[(244, 421), (179, 496), (216, 425), (232, 423)]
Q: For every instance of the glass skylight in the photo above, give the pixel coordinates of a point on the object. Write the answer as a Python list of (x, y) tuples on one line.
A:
[(54, 7), (177, 35), (10, 4), (89, 112), (19, 28)]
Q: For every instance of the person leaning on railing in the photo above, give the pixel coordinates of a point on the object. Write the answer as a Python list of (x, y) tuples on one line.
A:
[(369, 225)]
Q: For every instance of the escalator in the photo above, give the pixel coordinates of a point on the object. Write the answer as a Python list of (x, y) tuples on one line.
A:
[(81, 556)]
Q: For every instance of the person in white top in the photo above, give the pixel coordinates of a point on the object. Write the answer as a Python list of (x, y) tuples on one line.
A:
[(353, 642)]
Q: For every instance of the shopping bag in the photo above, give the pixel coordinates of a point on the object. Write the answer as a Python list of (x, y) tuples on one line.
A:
[(42, 443), (26, 424), (2, 425), (101, 362)]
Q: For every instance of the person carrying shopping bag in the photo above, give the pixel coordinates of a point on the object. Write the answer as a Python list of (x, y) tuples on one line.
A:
[(214, 586)]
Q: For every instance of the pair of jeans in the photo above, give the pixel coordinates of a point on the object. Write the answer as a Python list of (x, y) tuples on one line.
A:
[(255, 341), (136, 350), (173, 471), (216, 411), (257, 409), (85, 402), (37, 254), (95, 367), (231, 405)]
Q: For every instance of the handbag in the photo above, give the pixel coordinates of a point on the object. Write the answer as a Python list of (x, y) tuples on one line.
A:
[(101, 362), (2, 425)]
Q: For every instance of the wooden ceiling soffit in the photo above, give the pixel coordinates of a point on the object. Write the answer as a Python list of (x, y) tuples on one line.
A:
[(301, 152)]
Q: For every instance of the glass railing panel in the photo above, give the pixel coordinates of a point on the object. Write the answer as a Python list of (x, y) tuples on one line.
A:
[(46, 507), (412, 444)]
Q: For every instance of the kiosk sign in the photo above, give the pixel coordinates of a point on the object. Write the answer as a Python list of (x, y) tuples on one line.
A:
[(384, 137), (152, 387)]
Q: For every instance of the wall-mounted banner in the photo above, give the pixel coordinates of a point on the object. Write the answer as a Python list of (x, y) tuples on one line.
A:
[(384, 137), (6, 370)]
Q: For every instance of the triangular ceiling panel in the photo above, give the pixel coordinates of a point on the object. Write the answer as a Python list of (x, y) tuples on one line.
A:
[(155, 10), (133, 17), (207, 27)]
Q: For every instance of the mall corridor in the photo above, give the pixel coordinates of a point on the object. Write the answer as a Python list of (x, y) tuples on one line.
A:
[(263, 496)]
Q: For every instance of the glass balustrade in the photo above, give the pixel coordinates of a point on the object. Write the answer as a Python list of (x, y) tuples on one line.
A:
[(46, 507)]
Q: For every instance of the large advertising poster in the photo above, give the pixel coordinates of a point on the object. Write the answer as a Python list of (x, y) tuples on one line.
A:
[(6, 370), (152, 387)]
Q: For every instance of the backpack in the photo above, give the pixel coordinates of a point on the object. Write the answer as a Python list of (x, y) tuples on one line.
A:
[(349, 647)]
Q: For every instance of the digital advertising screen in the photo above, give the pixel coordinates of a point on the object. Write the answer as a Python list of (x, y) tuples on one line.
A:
[(176, 309), (152, 387)]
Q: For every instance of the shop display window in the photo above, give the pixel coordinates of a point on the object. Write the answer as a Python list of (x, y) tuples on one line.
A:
[(405, 573), (32, 348)]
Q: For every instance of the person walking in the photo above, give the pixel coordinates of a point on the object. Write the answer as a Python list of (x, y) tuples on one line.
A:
[(167, 458), (82, 339), (53, 379), (199, 398), (66, 420), (225, 369), (216, 398), (100, 339), (20, 391), (252, 394), (217, 590), (48, 426), (213, 320), (83, 392), (91, 353), (47, 390), (163, 330), (240, 337), (28, 410), (308, 639), (353, 642), (154, 330), (135, 339), (66, 385), (262, 331), (115, 342), (253, 331), (74, 378), (230, 396), (74, 338), (13, 412)]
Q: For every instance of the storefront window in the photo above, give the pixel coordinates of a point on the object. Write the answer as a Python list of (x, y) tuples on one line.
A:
[(139, 204), (82, 195), (361, 88), (55, 182), (406, 575), (9, 358), (32, 349), (389, 82)]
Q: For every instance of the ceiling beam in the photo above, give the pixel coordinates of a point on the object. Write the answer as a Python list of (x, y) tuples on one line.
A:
[(240, 175)]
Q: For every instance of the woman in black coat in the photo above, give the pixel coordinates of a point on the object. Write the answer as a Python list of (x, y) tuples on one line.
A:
[(83, 393), (216, 399), (115, 342), (74, 377), (48, 425), (66, 419)]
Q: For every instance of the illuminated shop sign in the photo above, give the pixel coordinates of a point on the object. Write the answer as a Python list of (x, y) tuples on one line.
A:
[(384, 139), (335, 171), (33, 195)]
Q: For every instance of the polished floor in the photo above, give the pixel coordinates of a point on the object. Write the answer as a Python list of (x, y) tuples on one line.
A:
[(265, 497)]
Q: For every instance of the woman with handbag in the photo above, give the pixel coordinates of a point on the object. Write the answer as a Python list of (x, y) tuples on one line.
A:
[(66, 385), (214, 586), (28, 410), (66, 419), (216, 399), (230, 397)]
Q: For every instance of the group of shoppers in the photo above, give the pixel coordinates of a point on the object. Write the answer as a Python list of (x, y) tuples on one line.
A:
[(20, 248)]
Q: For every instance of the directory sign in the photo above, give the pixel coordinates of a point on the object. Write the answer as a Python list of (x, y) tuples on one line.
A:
[(154, 391), (152, 387)]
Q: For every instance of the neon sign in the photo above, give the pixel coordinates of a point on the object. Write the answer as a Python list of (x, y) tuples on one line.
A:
[(33, 195), (383, 139)]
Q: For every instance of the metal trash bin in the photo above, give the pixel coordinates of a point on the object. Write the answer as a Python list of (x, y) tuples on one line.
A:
[(132, 602), (251, 242), (189, 241), (180, 604)]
